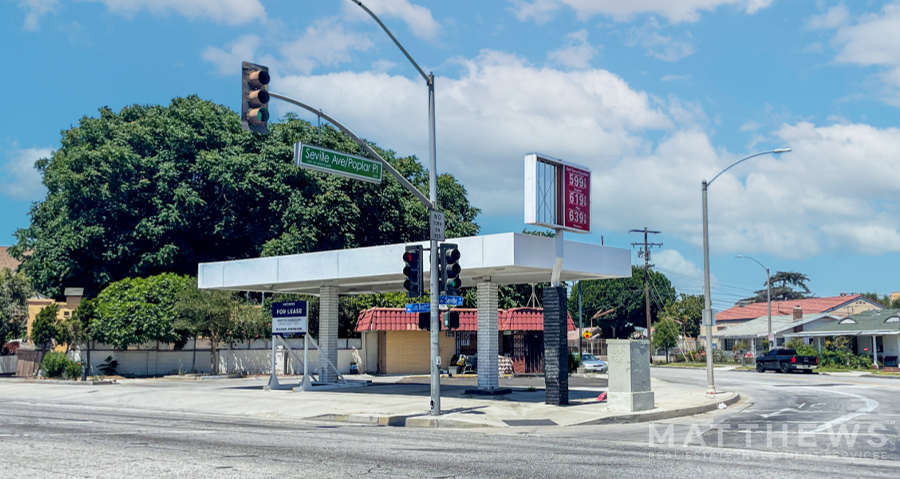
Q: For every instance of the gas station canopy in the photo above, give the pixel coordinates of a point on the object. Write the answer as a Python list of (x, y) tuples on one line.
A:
[(507, 258)]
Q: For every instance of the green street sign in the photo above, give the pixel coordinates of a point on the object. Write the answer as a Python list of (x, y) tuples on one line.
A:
[(330, 161)]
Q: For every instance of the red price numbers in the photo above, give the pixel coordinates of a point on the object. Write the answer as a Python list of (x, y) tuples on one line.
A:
[(577, 180), (577, 198)]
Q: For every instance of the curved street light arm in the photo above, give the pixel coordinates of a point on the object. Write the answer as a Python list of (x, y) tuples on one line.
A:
[(387, 166), (776, 151), (421, 72), (757, 262)]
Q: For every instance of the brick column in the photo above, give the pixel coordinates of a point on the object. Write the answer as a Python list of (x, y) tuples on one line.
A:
[(488, 341), (556, 349), (328, 331)]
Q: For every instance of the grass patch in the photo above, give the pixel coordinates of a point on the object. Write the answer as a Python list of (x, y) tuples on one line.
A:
[(880, 373), (842, 370), (689, 365)]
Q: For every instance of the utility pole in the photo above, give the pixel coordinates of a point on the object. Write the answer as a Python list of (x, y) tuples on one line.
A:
[(646, 254)]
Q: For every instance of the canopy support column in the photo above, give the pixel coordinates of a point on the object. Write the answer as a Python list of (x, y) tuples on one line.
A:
[(328, 332), (488, 339)]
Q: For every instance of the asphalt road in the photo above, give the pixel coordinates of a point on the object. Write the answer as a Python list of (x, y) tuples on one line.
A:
[(46, 440)]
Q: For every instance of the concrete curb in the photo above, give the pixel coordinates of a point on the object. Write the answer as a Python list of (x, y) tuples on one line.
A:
[(422, 421), (879, 376), (660, 415), (369, 419), (59, 381)]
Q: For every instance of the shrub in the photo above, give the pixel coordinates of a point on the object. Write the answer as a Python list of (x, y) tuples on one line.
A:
[(573, 363), (58, 365)]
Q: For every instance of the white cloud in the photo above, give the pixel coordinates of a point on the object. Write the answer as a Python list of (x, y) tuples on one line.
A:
[(675, 11), (326, 43), (417, 18), (227, 61), (577, 53), (541, 11), (232, 12), (658, 46), (682, 272), (499, 109), (836, 16), (676, 77), (35, 9), (19, 178), (872, 41)]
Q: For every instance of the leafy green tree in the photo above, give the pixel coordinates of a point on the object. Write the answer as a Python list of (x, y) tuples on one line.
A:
[(625, 296), (665, 335), (786, 286), (138, 310), (43, 330), (14, 292), (687, 310), (155, 189)]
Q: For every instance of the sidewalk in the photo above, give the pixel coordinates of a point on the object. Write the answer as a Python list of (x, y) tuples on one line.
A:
[(395, 401)]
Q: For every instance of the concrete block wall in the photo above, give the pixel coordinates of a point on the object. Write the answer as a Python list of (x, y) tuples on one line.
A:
[(488, 340), (556, 350)]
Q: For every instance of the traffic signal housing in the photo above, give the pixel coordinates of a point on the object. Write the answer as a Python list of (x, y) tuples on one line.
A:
[(449, 268), (412, 269), (425, 321), (451, 319), (255, 98)]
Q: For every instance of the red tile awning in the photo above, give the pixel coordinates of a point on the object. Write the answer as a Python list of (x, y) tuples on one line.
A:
[(397, 319)]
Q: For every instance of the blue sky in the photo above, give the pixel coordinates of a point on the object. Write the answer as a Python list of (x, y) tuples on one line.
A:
[(653, 95)]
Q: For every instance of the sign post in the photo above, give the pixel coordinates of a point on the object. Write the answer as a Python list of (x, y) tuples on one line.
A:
[(289, 318)]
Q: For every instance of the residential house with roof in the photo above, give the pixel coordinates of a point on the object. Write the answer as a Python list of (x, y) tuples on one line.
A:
[(394, 344), (875, 333), (839, 306), (7, 261), (753, 332)]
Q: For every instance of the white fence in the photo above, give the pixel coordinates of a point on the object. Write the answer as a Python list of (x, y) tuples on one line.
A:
[(251, 357), (8, 364)]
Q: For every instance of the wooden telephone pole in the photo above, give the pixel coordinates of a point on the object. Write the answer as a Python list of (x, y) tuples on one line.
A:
[(646, 254)]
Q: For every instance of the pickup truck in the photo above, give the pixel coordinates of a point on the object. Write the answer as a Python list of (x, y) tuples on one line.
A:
[(786, 360)]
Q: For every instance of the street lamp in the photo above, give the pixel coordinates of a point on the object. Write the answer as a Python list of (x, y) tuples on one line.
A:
[(707, 310), (432, 187), (768, 298)]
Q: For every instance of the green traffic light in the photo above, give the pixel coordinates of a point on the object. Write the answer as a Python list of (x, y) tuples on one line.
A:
[(262, 114)]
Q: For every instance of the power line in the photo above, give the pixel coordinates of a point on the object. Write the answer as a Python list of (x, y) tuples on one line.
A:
[(646, 254)]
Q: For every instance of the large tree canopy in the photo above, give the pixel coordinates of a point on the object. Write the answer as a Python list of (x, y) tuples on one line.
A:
[(155, 189), (625, 296), (786, 286), (14, 291)]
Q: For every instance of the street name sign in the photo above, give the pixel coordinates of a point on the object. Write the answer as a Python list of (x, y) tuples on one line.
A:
[(451, 300), (289, 318), (418, 308), (330, 161)]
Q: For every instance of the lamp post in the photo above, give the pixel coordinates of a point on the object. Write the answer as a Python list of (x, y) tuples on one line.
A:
[(707, 310), (768, 298), (432, 183)]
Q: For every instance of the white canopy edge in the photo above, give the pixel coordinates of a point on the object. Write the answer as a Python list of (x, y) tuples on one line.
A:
[(507, 258)]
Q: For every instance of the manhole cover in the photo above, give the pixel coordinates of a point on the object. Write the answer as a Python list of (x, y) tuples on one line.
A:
[(529, 422)]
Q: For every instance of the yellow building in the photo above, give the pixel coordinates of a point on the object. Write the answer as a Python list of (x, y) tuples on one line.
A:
[(38, 302)]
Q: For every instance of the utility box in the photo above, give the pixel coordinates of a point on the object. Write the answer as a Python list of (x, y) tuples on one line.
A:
[(629, 375)]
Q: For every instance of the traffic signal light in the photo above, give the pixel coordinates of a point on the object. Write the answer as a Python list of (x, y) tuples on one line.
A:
[(449, 259), (413, 271), (255, 98), (451, 320), (425, 321)]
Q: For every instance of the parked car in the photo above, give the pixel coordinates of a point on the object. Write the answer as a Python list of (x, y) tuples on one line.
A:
[(592, 364), (786, 360)]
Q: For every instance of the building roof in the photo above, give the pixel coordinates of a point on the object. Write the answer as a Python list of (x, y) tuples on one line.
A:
[(759, 327), (7, 261), (397, 319), (880, 323), (811, 305)]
